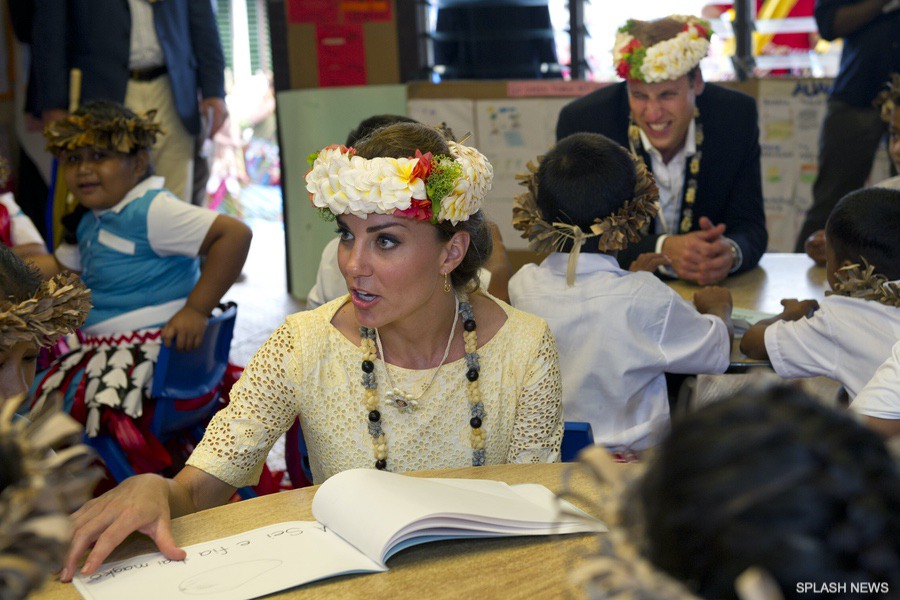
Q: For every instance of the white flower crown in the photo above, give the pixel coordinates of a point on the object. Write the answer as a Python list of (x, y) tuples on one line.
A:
[(424, 187), (665, 60)]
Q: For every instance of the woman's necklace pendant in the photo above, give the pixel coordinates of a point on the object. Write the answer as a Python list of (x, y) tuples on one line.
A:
[(402, 401)]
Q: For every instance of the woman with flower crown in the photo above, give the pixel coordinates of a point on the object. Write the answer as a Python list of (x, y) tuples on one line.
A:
[(413, 369)]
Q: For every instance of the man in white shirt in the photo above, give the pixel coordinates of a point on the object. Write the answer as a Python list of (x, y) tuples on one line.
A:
[(700, 140)]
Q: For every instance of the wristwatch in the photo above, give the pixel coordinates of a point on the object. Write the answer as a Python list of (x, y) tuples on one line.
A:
[(737, 257)]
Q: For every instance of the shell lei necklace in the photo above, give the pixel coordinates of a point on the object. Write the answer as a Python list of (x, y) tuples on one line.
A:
[(404, 401), (690, 191), (368, 342)]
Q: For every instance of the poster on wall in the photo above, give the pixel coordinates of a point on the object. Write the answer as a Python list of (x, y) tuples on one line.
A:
[(312, 11), (341, 55), (790, 114), (457, 113), (511, 133), (366, 11)]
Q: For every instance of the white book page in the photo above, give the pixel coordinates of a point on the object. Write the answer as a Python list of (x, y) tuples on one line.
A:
[(248, 565), (398, 507)]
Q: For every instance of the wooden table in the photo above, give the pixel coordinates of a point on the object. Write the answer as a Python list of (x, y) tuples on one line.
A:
[(524, 567), (778, 276)]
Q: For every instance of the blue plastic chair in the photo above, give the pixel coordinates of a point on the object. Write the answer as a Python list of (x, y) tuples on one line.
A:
[(576, 435), (181, 375), (179, 379), (296, 456)]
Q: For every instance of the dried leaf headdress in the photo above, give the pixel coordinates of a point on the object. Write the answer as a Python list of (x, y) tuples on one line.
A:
[(618, 570), (615, 231), (121, 134), (46, 475), (863, 282), (889, 97), (59, 306)]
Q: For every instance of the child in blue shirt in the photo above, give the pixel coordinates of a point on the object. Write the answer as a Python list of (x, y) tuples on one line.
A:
[(136, 246)]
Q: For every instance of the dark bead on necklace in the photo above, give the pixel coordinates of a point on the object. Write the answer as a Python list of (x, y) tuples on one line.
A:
[(368, 366), (469, 325), (381, 464), (475, 422), (374, 416), (472, 374)]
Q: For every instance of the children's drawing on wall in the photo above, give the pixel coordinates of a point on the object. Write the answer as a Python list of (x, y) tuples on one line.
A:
[(458, 114)]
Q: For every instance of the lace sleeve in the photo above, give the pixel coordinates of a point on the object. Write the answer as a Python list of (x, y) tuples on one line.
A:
[(538, 428), (263, 406)]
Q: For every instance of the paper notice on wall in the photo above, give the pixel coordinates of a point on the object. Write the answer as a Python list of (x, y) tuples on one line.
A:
[(366, 11), (790, 115), (457, 113), (511, 133), (341, 55)]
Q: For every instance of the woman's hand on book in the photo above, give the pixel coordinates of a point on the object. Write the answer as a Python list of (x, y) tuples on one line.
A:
[(140, 503)]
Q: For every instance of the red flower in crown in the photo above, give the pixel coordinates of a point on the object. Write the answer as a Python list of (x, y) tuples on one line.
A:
[(419, 210), (701, 30), (423, 168)]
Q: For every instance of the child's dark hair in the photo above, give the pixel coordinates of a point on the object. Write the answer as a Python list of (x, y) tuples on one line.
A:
[(866, 224), (585, 176), (776, 480), (401, 140), (107, 111), (18, 281), (367, 126)]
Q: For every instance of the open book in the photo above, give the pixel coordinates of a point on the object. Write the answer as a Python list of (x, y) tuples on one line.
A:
[(363, 518)]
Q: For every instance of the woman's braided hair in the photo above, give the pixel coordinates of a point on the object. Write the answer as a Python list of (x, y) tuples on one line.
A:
[(776, 480)]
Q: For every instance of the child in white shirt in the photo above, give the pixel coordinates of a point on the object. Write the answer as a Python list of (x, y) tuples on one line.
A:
[(879, 401), (851, 333), (617, 332)]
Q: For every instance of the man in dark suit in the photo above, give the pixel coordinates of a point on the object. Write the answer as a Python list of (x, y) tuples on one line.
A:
[(162, 54), (700, 140)]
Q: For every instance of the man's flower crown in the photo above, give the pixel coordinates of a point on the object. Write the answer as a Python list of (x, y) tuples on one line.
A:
[(121, 134), (423, 187), (665, 60)]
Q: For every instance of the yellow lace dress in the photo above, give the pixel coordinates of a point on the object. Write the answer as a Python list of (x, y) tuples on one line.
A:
[(308, 368)]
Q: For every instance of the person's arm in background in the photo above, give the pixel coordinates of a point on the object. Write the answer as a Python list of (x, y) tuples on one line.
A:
[(753, 342), (836, 20), (210, 62), (225, 246), (50, 58)]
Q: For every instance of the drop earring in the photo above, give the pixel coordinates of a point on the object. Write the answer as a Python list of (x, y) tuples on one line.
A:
[(447, 287)]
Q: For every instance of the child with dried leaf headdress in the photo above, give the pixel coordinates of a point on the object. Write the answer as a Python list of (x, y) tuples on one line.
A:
[(617, 331), (762, 496), (137, 247), (37, 487), (851, 332)]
